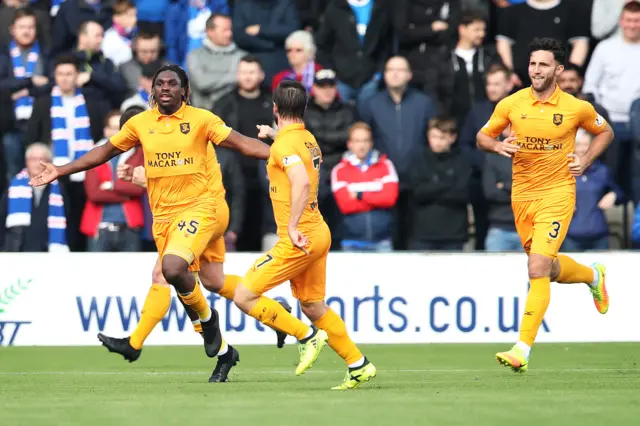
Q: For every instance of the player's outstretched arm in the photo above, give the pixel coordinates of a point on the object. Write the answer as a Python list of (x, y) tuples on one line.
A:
[(98, 155), (247, 146)]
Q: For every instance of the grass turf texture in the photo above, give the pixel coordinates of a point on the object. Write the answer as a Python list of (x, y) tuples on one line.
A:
[(586, 384)]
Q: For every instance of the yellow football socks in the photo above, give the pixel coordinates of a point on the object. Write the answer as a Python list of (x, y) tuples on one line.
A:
[(573, 272), (535, 308), (197, 302), (228, 290), (272, 314), (339, 339), (156, 305)]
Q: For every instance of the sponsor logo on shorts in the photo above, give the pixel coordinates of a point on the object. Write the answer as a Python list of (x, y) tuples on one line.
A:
[(291, 159), (599, 120)]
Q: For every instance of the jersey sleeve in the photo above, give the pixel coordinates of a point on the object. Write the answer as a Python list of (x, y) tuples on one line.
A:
[(217, 131), (590, 120), (285, 156), (126, 138), (499, 119)]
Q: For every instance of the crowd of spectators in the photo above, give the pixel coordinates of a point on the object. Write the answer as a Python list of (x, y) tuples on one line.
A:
[(398, 91)]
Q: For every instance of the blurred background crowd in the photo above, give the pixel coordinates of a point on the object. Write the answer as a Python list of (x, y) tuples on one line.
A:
[(398, 90)]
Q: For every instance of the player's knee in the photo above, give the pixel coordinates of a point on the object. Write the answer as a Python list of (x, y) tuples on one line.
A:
[(555, 270), (539, 266), (314, 311), (174, 268), (244, 298)]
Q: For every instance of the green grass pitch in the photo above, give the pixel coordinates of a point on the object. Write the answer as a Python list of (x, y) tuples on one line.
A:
[(581, 384)]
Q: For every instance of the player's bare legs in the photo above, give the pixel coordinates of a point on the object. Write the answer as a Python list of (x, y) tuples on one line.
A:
[(360, 369)]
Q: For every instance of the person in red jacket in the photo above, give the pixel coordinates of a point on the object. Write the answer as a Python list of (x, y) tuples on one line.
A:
[(365, 186), (113, 215)]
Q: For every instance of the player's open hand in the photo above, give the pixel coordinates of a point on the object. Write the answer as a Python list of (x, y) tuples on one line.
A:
[(507, 146), (49, 174), (265, 132), (299, 240), (608, 201), (124, 172), (575, 165)]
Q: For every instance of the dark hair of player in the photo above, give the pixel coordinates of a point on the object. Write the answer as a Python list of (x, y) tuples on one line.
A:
[(573, 67), (497, 68), (251, 59), (471, 16), (66, 60), (23, 12), (444, 124), (549, 45), (129, 113), (290, 98), (184, 82), (632, 7)]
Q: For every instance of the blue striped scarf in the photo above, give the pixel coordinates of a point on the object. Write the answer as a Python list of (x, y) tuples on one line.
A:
[(60, 128), (23, 106), (19, 210)]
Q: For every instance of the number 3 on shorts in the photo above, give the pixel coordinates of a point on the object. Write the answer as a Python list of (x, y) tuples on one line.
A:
[(191, 229), (556, 229)]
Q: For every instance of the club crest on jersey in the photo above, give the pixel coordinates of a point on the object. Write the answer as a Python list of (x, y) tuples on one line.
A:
[(185, 128), (557, 119)]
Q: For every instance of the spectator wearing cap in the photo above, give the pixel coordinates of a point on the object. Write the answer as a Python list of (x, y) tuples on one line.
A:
[(301, 52), (113, 215), (186, 26), (365, 185), (147, 58), (116, 44), (214, 66), (329, 119), (354, 39)]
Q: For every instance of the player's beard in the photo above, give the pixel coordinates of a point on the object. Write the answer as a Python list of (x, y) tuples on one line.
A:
[(543, 85)]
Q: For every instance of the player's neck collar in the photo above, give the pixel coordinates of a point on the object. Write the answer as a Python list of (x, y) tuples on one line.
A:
[(178, 114), (553, 99)]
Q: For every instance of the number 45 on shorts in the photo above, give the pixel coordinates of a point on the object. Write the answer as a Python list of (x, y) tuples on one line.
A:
[(192, 227)]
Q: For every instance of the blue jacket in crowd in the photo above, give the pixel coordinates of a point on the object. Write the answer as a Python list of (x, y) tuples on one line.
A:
[(176, 34), (277, 19), (152, 10), (400, 130), (476, 118), (634, 128), (589, 221)]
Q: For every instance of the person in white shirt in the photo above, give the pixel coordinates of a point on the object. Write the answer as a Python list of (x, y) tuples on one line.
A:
[(612, 78), (116, 44)]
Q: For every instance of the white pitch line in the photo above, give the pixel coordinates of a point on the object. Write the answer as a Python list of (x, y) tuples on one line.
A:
[(291, 372)]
